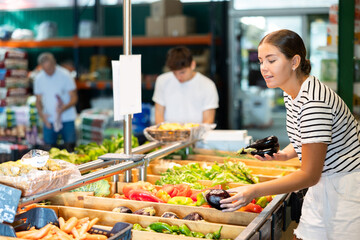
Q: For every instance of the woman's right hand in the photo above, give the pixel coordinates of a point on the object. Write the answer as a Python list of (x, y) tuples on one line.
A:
[(279, 156)]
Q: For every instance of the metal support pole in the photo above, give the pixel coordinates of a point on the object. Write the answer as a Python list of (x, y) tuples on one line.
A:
[(143, 171), (127, 34)]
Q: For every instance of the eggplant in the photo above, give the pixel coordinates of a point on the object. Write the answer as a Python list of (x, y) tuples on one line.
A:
[(262, 146), (169, 215), (269, 151), (214, 196), (122, 209), (148, 211), (194, 216), (264, 143)]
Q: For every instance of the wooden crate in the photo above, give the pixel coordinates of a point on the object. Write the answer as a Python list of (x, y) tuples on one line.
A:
[(107, 218)]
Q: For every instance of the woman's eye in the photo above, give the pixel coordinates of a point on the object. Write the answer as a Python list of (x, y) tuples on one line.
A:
[(259, 63), (271, 61)]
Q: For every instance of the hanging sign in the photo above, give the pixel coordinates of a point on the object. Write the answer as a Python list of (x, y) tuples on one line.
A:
[(9, 201), (126, 85)]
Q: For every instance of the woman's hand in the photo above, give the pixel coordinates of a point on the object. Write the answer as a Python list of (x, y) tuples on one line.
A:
[(243, 195), (279, 156)]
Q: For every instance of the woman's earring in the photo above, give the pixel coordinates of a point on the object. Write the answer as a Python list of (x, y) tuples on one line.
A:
[(293, 69)]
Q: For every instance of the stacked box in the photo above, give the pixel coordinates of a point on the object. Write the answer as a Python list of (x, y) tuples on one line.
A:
[(160, 10), (14, 82), (180, 25), (93, 124)]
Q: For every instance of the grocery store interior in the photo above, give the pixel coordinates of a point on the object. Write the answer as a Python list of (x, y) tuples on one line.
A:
[(88, 37)]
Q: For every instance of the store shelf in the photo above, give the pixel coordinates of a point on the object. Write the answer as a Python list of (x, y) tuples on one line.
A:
[(94, 85), (110, 41), (331, 49)]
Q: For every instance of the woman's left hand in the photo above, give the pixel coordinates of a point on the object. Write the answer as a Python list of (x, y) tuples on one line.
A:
[(243, 195)]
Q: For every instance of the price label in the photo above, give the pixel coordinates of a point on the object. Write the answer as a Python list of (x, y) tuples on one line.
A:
[(9, 201)]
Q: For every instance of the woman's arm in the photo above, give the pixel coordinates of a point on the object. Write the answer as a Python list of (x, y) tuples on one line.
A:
[(313, 157)]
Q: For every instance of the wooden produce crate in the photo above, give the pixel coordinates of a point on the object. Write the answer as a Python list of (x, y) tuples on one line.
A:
[(107, 218), (219, 156), (209, 214)]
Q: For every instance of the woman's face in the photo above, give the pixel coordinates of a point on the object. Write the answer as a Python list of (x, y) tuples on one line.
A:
[(274, 66)]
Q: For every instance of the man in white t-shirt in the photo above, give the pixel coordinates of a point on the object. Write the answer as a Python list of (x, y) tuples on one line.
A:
[(184, 95), (56, 97)]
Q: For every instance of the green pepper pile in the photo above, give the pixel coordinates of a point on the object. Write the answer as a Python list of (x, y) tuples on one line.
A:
[(183, 230), (89, 152), (218, 174)]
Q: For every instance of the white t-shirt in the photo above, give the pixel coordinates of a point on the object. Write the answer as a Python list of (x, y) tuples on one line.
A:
[(319, 115), (60, 83), (185, 102)]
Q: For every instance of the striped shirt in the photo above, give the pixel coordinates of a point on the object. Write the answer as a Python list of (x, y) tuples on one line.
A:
[(319, 115)]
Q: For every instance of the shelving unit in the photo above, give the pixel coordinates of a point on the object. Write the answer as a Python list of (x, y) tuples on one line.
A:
[(111, 41)]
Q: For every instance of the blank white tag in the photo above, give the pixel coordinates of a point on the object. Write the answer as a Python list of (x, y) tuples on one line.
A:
[(126, 85)]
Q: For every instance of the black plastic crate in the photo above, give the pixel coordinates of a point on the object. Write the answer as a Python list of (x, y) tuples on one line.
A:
[(39, 217)]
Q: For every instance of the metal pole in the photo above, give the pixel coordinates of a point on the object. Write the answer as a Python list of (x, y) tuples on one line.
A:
[(127, 35)]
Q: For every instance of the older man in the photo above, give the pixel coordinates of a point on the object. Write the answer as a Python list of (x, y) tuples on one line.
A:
[(56, 97)]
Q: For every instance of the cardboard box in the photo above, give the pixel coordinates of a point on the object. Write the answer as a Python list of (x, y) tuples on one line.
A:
[(180, 25), (155, 27), (165, 8)]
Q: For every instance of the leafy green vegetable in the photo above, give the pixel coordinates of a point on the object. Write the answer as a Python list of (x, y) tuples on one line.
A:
[(100, 188), (89, 152), (218, 174)]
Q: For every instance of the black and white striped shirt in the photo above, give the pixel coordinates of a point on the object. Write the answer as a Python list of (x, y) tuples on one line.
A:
[(319, 115)]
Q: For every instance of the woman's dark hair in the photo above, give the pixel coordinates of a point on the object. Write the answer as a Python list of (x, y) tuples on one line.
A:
[(290, 44), (178, 58)]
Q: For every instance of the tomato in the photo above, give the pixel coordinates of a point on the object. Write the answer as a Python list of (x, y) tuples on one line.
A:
[(184, 190), (169, 188), (138, 185)]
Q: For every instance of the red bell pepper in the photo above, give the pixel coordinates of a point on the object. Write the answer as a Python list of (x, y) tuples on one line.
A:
[(183, 190), (143, 195), (252, 207)]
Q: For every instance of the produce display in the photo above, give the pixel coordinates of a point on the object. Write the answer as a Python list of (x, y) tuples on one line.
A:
[(89, 152), (218, 173), (183, 230), (180, 194)]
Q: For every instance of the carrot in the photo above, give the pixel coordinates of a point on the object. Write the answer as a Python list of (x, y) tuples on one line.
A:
[(23, 233), (61, 234), (39, 233), (83, 228), (83, 220), (61, 223), (75, 233), (92, 223), (95, 237), (70, 224)]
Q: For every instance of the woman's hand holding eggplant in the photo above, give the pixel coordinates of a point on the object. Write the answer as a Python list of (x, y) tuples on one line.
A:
[(243, 195), (279, 156)]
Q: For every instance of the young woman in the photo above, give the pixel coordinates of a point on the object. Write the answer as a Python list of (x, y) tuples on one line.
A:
[(323, 134)]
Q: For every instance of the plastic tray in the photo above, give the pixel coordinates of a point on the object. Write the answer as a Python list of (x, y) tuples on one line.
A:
[(39, 217)]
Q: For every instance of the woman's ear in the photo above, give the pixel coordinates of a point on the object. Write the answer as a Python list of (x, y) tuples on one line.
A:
[(296, 60)]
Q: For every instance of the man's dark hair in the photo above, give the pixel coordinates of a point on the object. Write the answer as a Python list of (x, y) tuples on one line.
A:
[(178, 58)]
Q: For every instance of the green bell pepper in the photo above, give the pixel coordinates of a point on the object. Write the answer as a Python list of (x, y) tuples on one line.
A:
[(160, 227), (185, 230)]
